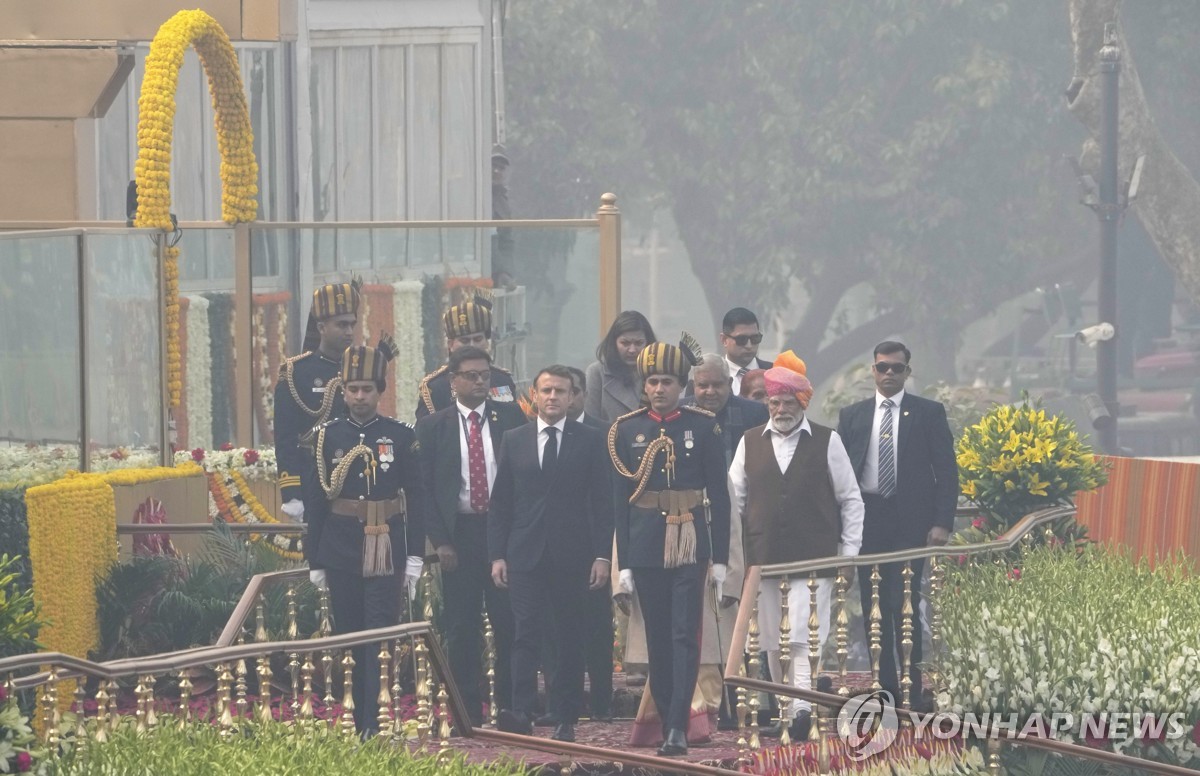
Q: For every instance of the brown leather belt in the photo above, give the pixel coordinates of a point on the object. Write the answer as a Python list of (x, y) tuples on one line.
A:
[(370, 511), (671, 502)]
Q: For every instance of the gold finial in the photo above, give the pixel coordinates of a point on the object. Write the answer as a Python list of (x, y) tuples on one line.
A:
[(608, 203)]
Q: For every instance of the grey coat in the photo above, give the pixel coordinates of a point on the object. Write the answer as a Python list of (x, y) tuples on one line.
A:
[(608, 396)]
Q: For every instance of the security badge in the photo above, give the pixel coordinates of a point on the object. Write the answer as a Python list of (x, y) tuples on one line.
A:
[(501, 393), (385, 452)]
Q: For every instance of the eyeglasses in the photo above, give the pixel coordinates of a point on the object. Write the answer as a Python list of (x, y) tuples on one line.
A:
[(743, 340), (895, 367), (483, 375)]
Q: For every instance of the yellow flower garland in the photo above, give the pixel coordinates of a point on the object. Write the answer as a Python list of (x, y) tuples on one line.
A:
[(156, 126), (72, 542)]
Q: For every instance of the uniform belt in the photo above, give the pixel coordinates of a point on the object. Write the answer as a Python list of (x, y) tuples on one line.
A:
[(671, 502), (369, 511)]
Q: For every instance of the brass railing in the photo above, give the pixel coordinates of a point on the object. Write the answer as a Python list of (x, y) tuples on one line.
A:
[(742, 668)]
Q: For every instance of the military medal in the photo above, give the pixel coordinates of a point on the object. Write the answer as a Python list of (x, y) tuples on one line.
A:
[(385, 452), (318, 385), (688, 442), (337, 456)]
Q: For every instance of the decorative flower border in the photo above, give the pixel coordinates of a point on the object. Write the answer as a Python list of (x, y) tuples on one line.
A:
[(230, 499), (410, 337), (198, 360), (156, 122)]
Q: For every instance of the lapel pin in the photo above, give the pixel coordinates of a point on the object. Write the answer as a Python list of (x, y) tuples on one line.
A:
[(906, 412)]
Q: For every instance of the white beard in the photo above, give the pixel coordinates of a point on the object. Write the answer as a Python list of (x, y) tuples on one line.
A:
[(786, 428)]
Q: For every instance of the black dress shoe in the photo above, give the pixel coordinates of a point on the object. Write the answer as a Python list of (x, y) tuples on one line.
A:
[(511, 721), (674, 745), (565, 731), (801, 724), (546, 720), (770, 731)]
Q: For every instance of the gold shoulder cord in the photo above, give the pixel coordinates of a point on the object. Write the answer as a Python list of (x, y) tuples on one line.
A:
[(642, 475), (423, 388), (699, 410), (333, 486), (321, 413)]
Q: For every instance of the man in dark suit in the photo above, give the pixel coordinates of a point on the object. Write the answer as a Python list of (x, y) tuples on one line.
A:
[(740, 338), (903, 455), (714, 393), (550, 540), (458, 447)]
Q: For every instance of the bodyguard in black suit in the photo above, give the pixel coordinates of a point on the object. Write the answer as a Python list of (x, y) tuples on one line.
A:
[(458, 464), (903, 455), (550, 540), (671, 499)]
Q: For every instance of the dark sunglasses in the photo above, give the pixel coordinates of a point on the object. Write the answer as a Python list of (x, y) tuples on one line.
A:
[(895, 367), (743, 340), (472, 377)]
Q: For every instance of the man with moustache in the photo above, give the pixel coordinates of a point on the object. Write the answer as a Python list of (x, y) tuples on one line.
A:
[(799, 499), (670, 465), (458, 447), (468, 324)]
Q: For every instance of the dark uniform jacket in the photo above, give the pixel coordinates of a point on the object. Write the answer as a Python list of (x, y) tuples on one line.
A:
[(699, 464), (336, 541), (441, 442), (434, 392), (298, 399)]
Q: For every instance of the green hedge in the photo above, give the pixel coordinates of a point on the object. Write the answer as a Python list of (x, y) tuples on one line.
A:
[(260, 749), (14, 533)]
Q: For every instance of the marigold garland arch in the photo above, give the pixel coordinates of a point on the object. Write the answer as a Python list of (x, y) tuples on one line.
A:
[(156, 125)]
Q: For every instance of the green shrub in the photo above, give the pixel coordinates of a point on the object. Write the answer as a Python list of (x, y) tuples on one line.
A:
[(14, 533), (18, 614), (259, 750)]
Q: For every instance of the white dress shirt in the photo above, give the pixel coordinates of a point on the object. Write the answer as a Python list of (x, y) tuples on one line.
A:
[(841, 476), (489, 455), (870, 478), (733, 373), (543, 437)]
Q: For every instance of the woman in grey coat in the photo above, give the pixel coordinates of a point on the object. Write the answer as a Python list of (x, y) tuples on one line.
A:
[(613, 387)]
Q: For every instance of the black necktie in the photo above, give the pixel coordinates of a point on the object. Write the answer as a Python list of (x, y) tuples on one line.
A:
[(550, 454)]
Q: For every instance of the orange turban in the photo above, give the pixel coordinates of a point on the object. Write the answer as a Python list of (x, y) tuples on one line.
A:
[(788, 376)]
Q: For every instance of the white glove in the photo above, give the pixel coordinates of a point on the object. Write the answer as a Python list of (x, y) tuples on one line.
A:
[(293, 509), (625, 581), (719, 572), (317, 577), (412, 574)]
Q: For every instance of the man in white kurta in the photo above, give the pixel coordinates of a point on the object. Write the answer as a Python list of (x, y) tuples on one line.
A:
[(792, 482)]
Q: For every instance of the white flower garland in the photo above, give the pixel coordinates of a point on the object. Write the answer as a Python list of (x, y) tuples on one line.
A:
[(199, 374), (410, 337)]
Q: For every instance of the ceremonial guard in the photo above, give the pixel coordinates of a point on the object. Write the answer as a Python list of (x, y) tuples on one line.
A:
[(308, 392), (672, 518), (370, 519), (466, 324)]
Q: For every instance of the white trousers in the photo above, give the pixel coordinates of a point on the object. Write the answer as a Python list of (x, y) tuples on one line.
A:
[(769, 616)]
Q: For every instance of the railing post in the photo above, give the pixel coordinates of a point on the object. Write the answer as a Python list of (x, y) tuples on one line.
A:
[(243, 368), (610, 260), (785, 659)]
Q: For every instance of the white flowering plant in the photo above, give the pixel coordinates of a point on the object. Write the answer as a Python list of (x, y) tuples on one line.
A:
[(252, 463), (18, 745), (1079, 630)]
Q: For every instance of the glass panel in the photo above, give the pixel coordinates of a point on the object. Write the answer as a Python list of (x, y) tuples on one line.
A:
[(426, 166), (190, 149), (39, 369), (354, 154), (390, 183), (324, 145), (206, 416), (552, 316), (123, 383), (460, 165)]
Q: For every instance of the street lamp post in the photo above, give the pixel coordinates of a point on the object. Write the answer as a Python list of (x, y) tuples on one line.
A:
[(1109, 211)]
